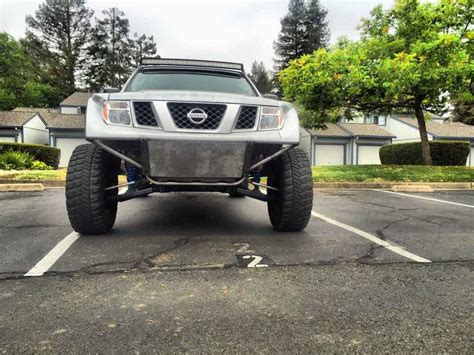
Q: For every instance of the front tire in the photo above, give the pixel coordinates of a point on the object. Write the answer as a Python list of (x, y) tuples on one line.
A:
[(290, 207), (91, 209)]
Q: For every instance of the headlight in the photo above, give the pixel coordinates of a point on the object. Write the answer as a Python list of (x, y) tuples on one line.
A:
[(271, 118), (116, 112)]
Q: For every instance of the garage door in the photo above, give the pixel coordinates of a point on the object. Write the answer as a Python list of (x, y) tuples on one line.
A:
[(329, 154), (368, 154), (67, 145), (7, 139)]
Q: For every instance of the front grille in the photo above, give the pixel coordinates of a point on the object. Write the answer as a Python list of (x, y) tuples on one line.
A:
[(179, 112), (144, 114), (247, 117)]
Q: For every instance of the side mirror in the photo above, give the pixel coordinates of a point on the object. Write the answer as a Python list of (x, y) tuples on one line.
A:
[(271, 96), (111, 90)]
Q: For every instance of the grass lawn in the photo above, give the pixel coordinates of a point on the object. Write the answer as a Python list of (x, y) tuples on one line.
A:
[(381, 173), (59, 174), (339, 173)]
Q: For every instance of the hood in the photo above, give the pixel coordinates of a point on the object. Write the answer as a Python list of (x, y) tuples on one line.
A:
[(193, 96)]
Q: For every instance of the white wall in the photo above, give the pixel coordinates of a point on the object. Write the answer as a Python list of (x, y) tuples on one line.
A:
[(325, 154), (366, 119), (305, 141), (318, 142), (35, 132), (403, 132), (7, 139), (67, 145), (70, 110), (368, 154)]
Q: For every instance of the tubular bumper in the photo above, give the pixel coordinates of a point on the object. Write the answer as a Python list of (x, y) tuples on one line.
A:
[(236, 180)]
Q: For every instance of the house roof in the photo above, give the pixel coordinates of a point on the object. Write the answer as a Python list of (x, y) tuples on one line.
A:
[(54, 119), (35, 109), (15, 119), (77, 99), (333, 130), (365, 130), (441, 130), (59, 121)]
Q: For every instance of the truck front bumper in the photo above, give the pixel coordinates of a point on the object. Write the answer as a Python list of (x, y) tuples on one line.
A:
[(197, 163)]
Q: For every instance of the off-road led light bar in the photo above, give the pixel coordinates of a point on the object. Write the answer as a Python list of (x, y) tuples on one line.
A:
[(192, 63)]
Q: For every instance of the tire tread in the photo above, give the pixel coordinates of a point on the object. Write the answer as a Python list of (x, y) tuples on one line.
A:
[(295, 196), (85, 184)]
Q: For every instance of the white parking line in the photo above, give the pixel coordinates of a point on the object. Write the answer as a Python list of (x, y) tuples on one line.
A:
[(427, 198), (372, 238), (54, 254)]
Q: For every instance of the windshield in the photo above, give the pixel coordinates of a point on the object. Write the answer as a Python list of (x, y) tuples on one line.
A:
[(191, 81)]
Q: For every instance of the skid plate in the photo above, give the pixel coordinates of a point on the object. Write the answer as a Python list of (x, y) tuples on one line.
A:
[(196, 160)]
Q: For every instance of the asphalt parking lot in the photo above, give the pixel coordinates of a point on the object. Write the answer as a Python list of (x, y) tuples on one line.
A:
[(373, 271)]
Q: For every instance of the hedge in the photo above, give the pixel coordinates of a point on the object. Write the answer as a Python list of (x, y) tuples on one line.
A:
[(48, 155), (442, 153)]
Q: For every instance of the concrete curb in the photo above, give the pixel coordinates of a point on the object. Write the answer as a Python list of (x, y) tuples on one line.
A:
[(412, 188), (45, 183), (389, 185), (22, 187)]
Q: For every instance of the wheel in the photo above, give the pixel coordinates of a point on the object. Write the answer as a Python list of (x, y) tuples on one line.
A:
[(235, 194), (90, 208), (290, 207)]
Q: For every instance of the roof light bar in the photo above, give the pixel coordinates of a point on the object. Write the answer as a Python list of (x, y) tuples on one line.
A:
[(192, 62)]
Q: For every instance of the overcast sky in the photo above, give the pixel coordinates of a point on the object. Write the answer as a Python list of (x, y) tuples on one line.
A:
[(231, 30)]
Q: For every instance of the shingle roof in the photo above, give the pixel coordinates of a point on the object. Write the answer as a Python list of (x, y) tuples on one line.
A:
[(35, 109), (442, 130), (333, 130), (54, 119), (77, 99), (14, 119), (57, 120), (365, 130)]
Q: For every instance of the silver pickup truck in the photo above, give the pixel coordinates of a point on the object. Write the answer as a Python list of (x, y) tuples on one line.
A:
[(188, 125)]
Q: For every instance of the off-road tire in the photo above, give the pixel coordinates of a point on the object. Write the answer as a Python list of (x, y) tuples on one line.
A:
[(290, 207), (90, 208)]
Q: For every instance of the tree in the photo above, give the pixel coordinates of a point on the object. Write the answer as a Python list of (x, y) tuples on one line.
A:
[(143, 46), (412, 57), (15, 70), (291, 42), (113, 55), (304, 29), (316, 26), (19, 83), (463, 105), (109, 51), (464, 108), (56, 37), (39, 94), (260, 77)]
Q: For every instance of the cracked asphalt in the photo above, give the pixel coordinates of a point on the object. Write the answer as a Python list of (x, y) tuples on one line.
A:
[(173, 276)]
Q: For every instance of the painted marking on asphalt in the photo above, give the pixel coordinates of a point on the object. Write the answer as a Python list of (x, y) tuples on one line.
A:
[(427, 198), (372, 238), (54, 254), (255, 262)]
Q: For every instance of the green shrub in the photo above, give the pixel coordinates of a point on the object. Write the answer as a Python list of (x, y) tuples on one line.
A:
[(48, 155), (15, 160), (442, 153), (39, 165)]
